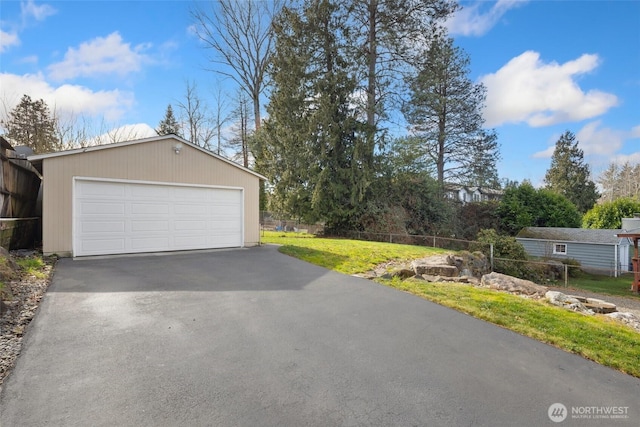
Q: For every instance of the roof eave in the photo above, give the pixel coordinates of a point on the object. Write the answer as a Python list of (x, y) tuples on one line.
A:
[(37, 159)]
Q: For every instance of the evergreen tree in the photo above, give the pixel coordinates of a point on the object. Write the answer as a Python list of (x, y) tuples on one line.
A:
[(310, 146), (386, 40), (31, 124), (445, 113), (168, 125), (569, 175)]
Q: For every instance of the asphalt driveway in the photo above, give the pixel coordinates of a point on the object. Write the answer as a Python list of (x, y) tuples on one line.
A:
[(255, 338)]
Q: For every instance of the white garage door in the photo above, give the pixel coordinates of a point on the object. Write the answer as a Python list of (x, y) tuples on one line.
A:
[(114, 217)]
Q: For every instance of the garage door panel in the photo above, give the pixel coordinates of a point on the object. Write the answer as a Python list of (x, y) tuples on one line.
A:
[(149, 225), (125, 217), (225, 241), (150, 244), (116, 245), (193, 194), (225, 211), (97, 226), (191, 242), (181, 225), (102, 189), (227, 197), (149, 208), (154, 192), (97, 208), (224, 226), (191, 210)]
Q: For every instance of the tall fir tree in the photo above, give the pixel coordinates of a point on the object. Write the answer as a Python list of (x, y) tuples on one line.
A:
[(569, 175), (31, 124), (311, 147), (168, 125), (386, 36), (445, 114)]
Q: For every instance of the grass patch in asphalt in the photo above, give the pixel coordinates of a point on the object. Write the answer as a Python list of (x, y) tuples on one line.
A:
[(598, 338)]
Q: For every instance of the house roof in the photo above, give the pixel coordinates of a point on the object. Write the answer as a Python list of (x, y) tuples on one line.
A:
[(582, 235), (38, 158), (471, 189)]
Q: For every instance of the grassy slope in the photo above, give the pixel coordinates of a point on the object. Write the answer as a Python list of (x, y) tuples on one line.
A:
[(594, 337), (342, 255)]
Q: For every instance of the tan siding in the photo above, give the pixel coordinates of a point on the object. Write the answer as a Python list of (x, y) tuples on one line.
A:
[(150, 161)]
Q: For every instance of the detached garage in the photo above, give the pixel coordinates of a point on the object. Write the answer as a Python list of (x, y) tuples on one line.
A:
[(148, 195)]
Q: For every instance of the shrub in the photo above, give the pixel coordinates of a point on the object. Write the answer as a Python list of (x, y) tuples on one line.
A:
[(503, 247)]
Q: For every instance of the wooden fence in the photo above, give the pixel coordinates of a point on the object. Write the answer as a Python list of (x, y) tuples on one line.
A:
[(19, 187)]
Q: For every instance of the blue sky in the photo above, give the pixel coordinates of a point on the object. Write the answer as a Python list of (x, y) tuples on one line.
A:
[(549, 66)]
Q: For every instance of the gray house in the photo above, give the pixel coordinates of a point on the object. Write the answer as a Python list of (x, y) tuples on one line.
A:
[(600, 250)]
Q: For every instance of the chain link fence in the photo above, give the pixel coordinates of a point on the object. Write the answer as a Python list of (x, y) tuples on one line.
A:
[(548, 271), (272, 221)]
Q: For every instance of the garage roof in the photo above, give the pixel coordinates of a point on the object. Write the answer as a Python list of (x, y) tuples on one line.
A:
[(582, 235), (37, 159)]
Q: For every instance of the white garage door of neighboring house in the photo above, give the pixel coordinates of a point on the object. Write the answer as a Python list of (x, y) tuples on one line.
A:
[(117, 217)]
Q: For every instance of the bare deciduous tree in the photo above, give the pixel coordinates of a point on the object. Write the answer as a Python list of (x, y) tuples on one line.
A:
[(221, 116), (239, 141), (240, 37), (197, 122)]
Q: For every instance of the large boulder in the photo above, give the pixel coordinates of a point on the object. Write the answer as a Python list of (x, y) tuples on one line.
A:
[(513, 285), (569, 302), (436, 265), (473, 264), (627, 318)]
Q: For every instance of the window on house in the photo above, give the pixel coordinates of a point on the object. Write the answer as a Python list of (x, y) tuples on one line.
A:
[(559, 249)]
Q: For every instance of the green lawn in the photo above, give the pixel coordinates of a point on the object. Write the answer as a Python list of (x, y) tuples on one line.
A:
[(603, 284), (594, 337), (343, 255)]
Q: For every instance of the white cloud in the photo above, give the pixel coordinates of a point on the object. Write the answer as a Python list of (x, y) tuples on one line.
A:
[(8, 39), (30, 9), (64, 99), (541, 94), (471, 21), (545, 154), (31, 59), (596, 140), (598, 143), (632, 159), (124, 133), (102, 55)]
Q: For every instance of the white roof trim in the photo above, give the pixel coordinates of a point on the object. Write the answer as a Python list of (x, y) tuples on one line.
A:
[(37, 157), (572, 242)]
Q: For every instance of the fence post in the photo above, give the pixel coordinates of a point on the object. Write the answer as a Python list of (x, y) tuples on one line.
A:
[(434, 241), (390, 238), (491, 255), (566, 275)]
